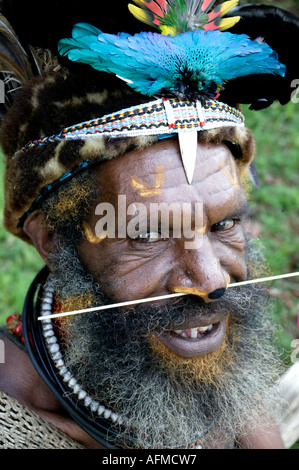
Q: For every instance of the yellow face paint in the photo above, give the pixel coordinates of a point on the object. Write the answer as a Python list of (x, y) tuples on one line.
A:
[(201, 230), (90, 236), (193, 291), (232, 177), (145, 189)]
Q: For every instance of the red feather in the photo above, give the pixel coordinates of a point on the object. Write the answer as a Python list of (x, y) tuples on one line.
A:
[(158, 7), (206, 5)]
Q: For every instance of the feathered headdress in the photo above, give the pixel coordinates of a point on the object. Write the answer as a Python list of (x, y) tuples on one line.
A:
[(191, 60), (17, 63), (193, 69)]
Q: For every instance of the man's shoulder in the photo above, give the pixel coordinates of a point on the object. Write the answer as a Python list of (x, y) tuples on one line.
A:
[(25, 403), (16, 369), (22, 428)]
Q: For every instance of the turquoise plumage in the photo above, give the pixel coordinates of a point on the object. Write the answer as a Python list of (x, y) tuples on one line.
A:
[(194, 63)]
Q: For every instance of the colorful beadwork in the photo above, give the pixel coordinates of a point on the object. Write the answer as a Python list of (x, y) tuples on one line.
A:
[(162, 116)]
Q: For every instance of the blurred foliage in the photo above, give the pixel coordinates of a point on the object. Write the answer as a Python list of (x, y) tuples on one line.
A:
[(275, 206)]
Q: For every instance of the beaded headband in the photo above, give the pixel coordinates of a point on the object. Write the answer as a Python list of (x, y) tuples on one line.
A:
[(160, 117)]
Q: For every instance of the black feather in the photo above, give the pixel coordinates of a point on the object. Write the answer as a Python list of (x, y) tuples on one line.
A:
[(43, 24), (17, 64), (279, 29)]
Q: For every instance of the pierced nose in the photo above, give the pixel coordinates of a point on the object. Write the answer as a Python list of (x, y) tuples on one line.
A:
[(217, 293)]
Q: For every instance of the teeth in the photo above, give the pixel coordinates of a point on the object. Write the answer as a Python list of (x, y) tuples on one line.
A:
[(194, 333), (204, 328)]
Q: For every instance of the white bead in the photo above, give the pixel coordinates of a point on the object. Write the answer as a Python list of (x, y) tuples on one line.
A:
[(63, 370), (49, 333), (87, 401), (77, 388), (94, 405), (54, 348), (47, 320), (51, 340), (72, 382), (82, 394), (67, 377), (101, 410), (57, 356), (59, 363), (107, 414)]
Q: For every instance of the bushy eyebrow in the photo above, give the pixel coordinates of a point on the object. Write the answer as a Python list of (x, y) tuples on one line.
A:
[(241, 212)]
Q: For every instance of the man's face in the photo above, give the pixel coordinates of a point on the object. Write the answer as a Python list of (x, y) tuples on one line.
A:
[(172, 369), (152, 265)]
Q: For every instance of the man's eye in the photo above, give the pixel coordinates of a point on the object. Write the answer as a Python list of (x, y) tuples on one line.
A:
[(148, 237), (226, 224)]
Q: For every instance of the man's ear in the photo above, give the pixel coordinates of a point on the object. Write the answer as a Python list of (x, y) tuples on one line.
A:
[(40, 234)]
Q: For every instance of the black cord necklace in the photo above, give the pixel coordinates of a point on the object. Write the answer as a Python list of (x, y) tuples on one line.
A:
[(100, 428)]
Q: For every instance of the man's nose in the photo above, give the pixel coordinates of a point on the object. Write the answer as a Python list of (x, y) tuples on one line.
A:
[(199, 272)]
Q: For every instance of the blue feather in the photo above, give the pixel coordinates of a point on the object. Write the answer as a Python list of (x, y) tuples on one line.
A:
[(152, 62)]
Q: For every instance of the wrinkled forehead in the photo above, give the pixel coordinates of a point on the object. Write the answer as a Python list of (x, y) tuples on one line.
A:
[(157, 172)]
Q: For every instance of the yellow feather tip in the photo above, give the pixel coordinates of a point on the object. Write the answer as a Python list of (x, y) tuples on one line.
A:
[(139, 2), (168, 30), (228, 23), (227, 6), (139, 14)]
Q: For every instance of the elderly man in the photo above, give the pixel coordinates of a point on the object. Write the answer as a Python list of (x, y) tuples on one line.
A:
[(194, 370)]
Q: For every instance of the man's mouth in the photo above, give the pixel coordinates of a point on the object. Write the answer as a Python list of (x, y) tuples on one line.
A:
[(195, 341), (194, 333)]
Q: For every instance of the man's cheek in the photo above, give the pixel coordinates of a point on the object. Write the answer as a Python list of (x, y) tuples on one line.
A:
[(234, 259), (129, 277)]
